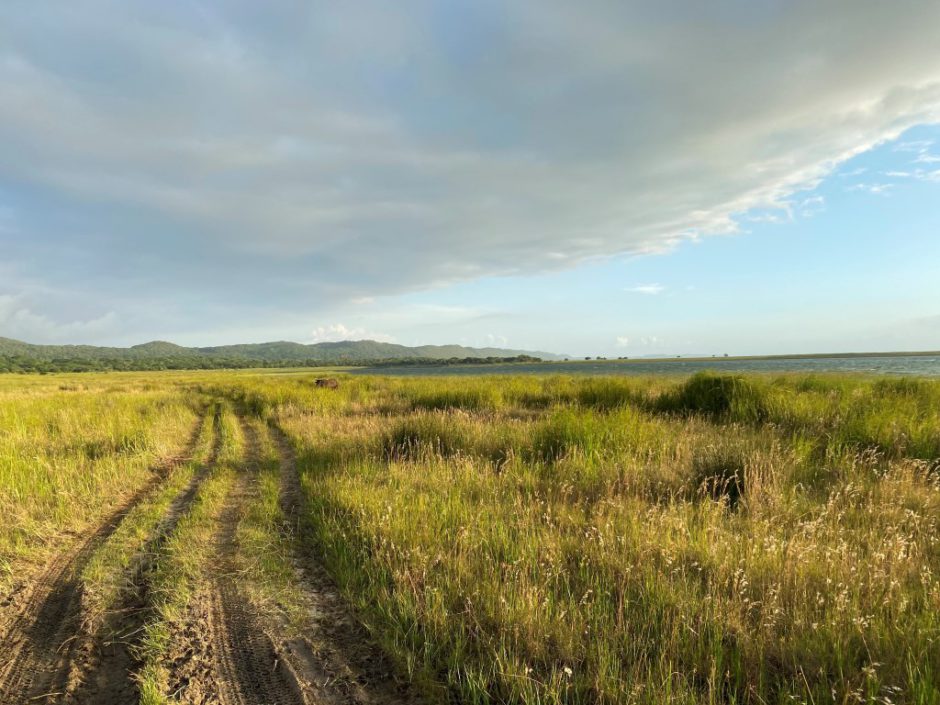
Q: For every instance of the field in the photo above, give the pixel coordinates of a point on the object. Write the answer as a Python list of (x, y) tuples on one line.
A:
[(243, 537)]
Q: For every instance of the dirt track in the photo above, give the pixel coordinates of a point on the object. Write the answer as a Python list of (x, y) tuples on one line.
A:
[(337, 662), (103, 672), (40, 642), (228, 653), (249, 671)]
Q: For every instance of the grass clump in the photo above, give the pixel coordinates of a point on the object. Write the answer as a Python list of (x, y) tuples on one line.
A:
[(467, 397), (718, 396)]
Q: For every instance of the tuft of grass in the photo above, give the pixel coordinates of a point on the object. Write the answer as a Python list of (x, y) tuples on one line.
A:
[(718, 396)]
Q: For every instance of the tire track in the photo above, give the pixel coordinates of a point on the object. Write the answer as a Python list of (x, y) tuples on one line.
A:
[(40, 642), (105, 673), (248, 668), (338, 663)]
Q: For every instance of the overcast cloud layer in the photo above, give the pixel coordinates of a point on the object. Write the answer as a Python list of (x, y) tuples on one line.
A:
[(212, 161)]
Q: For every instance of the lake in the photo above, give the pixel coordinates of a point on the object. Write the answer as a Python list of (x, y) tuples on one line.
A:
[(920, 365)]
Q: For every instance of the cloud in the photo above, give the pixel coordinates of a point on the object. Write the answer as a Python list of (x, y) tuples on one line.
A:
[(18, 320), (337, 332), (918, 174), (916, 146), (874, 188), (646, 341), (648, 289), (306, 155), (814, 205)]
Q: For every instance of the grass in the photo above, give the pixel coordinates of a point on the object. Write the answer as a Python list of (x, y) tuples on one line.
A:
[(711, 539), (105, 577), (181, 565), (265, 541), (68, 457)]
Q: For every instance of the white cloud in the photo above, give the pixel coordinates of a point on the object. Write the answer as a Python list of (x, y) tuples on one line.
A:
[(18, 320), (916, 146), (330, 153), (337, 332), (648, 289), (811, 206), (873, 188), (645, 341)]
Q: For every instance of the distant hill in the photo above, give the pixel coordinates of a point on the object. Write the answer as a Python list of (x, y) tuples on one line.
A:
[(16, 355)]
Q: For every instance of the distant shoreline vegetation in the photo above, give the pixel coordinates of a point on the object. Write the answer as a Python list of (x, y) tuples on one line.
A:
[(27, 365), (17, 356)]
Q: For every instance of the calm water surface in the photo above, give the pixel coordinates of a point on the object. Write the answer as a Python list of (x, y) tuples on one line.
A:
[(922, 365)]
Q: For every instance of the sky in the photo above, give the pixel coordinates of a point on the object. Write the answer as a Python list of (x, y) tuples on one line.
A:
[(598, 178)]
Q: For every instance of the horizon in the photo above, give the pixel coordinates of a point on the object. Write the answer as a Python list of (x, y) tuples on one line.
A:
[(557, 354), (606, 180)]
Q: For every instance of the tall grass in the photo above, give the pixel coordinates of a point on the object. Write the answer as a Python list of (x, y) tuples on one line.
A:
[(715, 539), (745, 540), (66, 458)]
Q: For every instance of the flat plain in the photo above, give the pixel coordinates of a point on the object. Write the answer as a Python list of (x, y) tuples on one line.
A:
[(242, 537)]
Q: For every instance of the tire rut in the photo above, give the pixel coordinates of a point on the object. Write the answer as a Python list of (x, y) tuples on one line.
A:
[(248, 668), (338, 663), (41, 641), (104, 675)]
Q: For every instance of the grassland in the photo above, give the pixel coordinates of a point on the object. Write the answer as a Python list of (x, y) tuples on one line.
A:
[(713, 539)]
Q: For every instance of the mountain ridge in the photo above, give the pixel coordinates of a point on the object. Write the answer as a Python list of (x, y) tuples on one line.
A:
[(280, 352)]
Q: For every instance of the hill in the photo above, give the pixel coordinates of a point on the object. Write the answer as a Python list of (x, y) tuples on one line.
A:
[(17, 356)]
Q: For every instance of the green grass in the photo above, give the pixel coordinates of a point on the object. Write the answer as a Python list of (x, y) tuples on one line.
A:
[(68, 457), (742, 539), (711, 539), (105, 577), (180, 567), (266, 544)]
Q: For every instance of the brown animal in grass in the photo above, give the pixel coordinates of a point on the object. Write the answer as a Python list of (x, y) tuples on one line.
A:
[(327, 383)]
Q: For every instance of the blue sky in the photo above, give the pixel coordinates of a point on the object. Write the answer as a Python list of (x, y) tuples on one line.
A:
[(602, 178)]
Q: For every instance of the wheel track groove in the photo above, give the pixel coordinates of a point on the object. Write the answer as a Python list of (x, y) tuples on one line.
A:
[(249, 669), (337, 663), (41, 640), (106, 675)]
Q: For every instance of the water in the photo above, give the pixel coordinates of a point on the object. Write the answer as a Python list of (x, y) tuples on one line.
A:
[(918, 365)]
